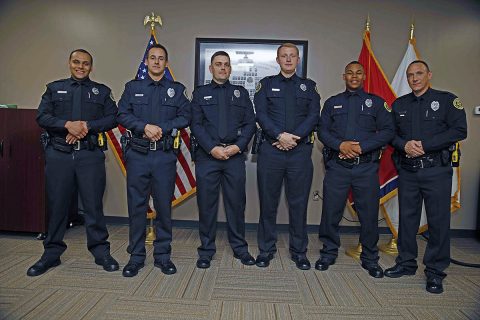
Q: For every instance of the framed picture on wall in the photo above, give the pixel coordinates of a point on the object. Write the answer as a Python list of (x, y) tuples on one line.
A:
[(251, 59)]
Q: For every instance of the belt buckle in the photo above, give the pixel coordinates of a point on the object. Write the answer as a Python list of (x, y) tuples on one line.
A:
[(76, 145), (356, 161), (153, 145), (422, 165)]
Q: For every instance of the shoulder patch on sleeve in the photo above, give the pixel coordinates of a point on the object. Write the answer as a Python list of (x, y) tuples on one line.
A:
[(457, 104), (259, 87), (387, 107)]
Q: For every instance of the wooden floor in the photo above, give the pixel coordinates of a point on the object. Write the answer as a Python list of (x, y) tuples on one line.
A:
[(79, 289)]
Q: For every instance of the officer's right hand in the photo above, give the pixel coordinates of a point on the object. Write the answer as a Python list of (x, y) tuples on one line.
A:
[(153, 132), (77, 128), (349, 149), (414, 148), (219, 153), (71, 139)]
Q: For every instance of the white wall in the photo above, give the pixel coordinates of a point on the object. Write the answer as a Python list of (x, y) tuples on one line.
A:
[(37, 36)]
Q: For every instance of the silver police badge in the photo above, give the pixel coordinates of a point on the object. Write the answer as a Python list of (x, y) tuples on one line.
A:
[(435, 105), (368, 103), (171, 92), (236, 93), (303, 87), (95, 90)]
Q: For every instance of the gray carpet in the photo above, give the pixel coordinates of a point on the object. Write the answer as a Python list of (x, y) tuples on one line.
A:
[(79, 289)]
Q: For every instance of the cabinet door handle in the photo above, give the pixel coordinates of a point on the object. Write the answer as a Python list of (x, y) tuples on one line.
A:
[(1, 149)]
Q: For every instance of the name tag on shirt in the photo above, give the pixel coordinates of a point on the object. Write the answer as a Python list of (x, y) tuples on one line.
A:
[(207, 97), (275, 89), (337, 107), (61, 91), (138, 94), (402, 115)]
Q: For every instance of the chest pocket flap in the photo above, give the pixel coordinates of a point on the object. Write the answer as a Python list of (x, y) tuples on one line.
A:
[(139, 99), (273, 93), (61, 96)]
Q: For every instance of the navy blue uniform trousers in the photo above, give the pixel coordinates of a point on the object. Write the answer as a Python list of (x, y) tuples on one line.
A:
[(228, 174), (152, 173), (363, 180), (433, 186), (83, 170), (295, 168)]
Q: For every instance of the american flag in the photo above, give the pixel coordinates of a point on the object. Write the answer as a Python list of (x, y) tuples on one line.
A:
[(185, 184)]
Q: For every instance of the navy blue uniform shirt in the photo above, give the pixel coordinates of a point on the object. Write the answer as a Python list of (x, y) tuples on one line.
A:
[(440, 120), (136, 108), (372, 123), (271, 111), (205, 115), (98, 107)]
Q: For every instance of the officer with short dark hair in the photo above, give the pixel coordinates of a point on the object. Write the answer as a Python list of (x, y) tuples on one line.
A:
[(354, 126), (75, 112), (287, 109), (223, 123), (428, 123), (153, 109)]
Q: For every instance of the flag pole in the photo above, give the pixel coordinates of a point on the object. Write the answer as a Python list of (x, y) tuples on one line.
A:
[(391, 246), (151, 214)]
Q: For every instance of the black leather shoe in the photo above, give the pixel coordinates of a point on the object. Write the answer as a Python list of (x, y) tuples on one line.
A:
[(263, 261), (434, 285), (302, 263), (398, 271), (41, 266), (374, 270), (131, 269), (245, 258), (322, 264), (108, 263), (203, 262), (167, 267)]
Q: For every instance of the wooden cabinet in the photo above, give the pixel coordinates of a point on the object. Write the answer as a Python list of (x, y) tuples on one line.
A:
[(22, 178)]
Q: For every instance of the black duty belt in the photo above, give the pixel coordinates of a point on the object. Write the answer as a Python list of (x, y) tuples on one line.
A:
[(349, 163), (60, 144), (303, 140), (425, 161), (144, 145), (222, 144)]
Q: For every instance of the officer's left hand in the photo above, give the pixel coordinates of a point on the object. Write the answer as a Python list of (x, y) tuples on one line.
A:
[(232, 150), (71, 139), (279, 146)]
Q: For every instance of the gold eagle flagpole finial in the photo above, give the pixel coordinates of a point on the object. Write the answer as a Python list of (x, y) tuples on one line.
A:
[(152, 19)]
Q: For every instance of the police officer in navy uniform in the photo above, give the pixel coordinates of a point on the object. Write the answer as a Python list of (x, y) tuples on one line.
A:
[(74, 112), (153, 109), (287, 109), (223, 122), (354, 126), (428, 122)]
